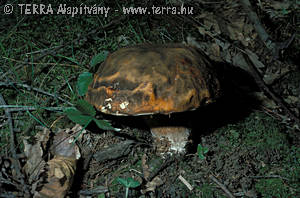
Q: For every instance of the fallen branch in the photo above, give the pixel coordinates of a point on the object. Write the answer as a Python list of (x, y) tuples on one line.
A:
[(114, 152), (53, 51), (222, 186), (275, 47), (270, 176), (262, 85), (165, 164), (35, 63), (13, 108), (16, 164), (94, 191), (12, 84)]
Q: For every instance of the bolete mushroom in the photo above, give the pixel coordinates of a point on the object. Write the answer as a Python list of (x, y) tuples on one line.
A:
[(155, 79)]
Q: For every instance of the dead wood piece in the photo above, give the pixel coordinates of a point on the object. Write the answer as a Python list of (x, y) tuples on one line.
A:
[(54, 50), (221, 186), (155, 182), (114, 152), (14, 108), (60, 170), (270, 176), (166, 164), (60, 173), (23, 187), (93, 191), (12, 84), (185, 182), (262, 85), (275, 47)]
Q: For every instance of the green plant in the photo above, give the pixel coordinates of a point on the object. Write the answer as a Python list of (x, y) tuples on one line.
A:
[(83, 82), (86, 78), (201, 151), (84, 113), (273, 187), (207, 190), (102, 195), (128, 183), (98, 58), (257, 131)]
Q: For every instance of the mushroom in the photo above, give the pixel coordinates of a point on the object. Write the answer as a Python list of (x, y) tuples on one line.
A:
[(155, 79)]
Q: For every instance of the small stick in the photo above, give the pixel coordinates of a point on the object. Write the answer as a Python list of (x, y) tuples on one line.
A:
[(11, 84), (262, 85), (53, 51), (12, 148), (222, 186), (275, 47), (165, 164), (188, 185), (13, 108), (270, 176), (34, 63)]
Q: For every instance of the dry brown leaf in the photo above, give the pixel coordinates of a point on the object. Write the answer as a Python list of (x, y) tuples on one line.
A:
[(280, 5), (151, 186), (145, 167), (271, 76), (210, 25), (60, 173), (34, 154), (60, 169), (254, 58), (64, 145), (215, 50), (239, 61), (155, 182)]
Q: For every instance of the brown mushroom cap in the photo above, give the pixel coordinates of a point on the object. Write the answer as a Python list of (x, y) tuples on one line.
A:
[(148, 79)]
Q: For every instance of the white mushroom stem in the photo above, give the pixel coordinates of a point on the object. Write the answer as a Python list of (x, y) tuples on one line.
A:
[(177, 137)]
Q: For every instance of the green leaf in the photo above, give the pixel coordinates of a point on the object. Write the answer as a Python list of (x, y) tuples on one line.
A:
[(98, 58), (83, 82), (132, 183), (102, 195), (85, 108), (201, 151), (77, 117), (103, 124), (122, 181), (205, 150), (128, 182)]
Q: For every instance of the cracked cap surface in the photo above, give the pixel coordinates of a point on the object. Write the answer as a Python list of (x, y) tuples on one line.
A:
[(148, 79)]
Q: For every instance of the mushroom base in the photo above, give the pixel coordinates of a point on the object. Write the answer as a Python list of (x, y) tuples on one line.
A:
[(171, 139)]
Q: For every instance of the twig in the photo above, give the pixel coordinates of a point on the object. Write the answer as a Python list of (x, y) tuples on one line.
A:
[(222, 186), (275, 47), (35, 63), (114, 151), (13, 108), (5, 181), (13, 149), (40, 51), (12, 84), (186, 183), (166, 163), (264, 36), (7, 195), (270, 176), (95, 190), (262, 85), (53, 51)]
